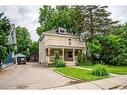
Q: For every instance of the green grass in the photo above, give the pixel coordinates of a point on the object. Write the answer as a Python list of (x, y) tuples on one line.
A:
[(110, 68), (78, 73)]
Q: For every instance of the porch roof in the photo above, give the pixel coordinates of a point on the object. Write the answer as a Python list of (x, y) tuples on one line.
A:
[(60, 46)]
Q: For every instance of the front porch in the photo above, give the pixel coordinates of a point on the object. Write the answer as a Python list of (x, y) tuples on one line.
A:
[(68, 55)]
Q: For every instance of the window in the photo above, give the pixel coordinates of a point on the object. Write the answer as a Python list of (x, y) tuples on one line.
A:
[(61, 31), (69, 40), (69, 54)]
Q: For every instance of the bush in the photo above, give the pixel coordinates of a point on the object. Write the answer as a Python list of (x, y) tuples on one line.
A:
[(80, 59), (100, 71), (58, 62)]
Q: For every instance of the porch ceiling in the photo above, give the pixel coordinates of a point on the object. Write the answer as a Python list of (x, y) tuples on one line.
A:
[(60, 46)]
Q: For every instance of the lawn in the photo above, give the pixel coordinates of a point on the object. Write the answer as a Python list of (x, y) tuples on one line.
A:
[(78, 73), (110, 68)]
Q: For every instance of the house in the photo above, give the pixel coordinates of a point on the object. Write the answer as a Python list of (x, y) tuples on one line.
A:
[(61, 41)]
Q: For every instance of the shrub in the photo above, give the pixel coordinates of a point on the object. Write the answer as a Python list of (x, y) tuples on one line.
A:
[(100, 71), (80, 59), (58, 62)]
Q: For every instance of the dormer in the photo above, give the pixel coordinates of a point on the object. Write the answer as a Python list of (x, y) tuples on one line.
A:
[(61, 31)]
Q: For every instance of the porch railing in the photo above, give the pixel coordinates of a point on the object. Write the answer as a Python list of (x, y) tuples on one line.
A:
[(51, 58)]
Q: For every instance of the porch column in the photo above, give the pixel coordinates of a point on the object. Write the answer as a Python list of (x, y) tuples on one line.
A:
[(63, 53), (74, 55), (48, 51)]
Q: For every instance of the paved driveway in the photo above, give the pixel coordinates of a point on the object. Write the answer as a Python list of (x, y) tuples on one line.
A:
[(31, 76)]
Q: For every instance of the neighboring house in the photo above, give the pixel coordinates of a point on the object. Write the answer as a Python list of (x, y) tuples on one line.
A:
[(59, 40)]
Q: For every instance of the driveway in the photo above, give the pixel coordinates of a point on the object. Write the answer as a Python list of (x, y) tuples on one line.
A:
[(31, 76)]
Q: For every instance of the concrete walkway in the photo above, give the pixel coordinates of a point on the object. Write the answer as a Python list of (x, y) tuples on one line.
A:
[(118, 82)]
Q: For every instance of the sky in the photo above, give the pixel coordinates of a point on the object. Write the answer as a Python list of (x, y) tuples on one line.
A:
[(27, 16)]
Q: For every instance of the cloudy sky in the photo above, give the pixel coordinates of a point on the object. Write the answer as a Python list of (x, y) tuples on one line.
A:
[(27, 16)]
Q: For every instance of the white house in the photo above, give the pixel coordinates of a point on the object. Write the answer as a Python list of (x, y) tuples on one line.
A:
[(59, 40)]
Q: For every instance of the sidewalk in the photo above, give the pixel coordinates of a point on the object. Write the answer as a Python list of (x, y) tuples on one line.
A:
[(118, 82)]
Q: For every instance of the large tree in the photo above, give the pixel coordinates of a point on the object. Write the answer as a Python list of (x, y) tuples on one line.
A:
[(23, 40), (114, 50), (4, 33), (76, 19), (96, 19), (61, 16), (97, 22)]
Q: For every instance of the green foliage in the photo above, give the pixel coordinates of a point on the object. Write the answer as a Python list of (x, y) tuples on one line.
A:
[(94, 46), (97, 19), (23, 40), (94, 49), (4, 33), (34, 48), (114, 50), (53, 18), (80, 58), (57, 61), (75, 19), (69, 17), (100, 71)]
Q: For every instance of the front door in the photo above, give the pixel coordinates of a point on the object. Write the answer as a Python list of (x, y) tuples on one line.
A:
[(68, 55)]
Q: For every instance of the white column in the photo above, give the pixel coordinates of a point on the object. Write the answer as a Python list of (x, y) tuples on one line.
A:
[(63, 53), (73, 55), (48, 55)]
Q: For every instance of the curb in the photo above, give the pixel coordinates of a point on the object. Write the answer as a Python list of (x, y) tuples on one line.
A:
[(6, 66)]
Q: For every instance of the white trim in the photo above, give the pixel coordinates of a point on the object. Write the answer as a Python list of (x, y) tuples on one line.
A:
[(60, 46)]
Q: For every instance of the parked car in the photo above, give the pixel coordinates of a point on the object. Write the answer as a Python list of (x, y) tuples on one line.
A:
[(21, 60)]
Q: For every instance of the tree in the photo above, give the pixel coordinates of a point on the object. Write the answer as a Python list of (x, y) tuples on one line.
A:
[(78, 20), (97, 20), (97, 23), (23, 40), (34, 48), (114, 46), (4, 33), (61, 16), (114, 50), (94, 49)]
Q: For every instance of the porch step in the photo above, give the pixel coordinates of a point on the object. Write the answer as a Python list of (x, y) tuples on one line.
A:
[(70, 64)]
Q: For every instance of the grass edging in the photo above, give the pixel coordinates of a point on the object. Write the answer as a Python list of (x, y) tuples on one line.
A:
[(76, 75), (66, 75)]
